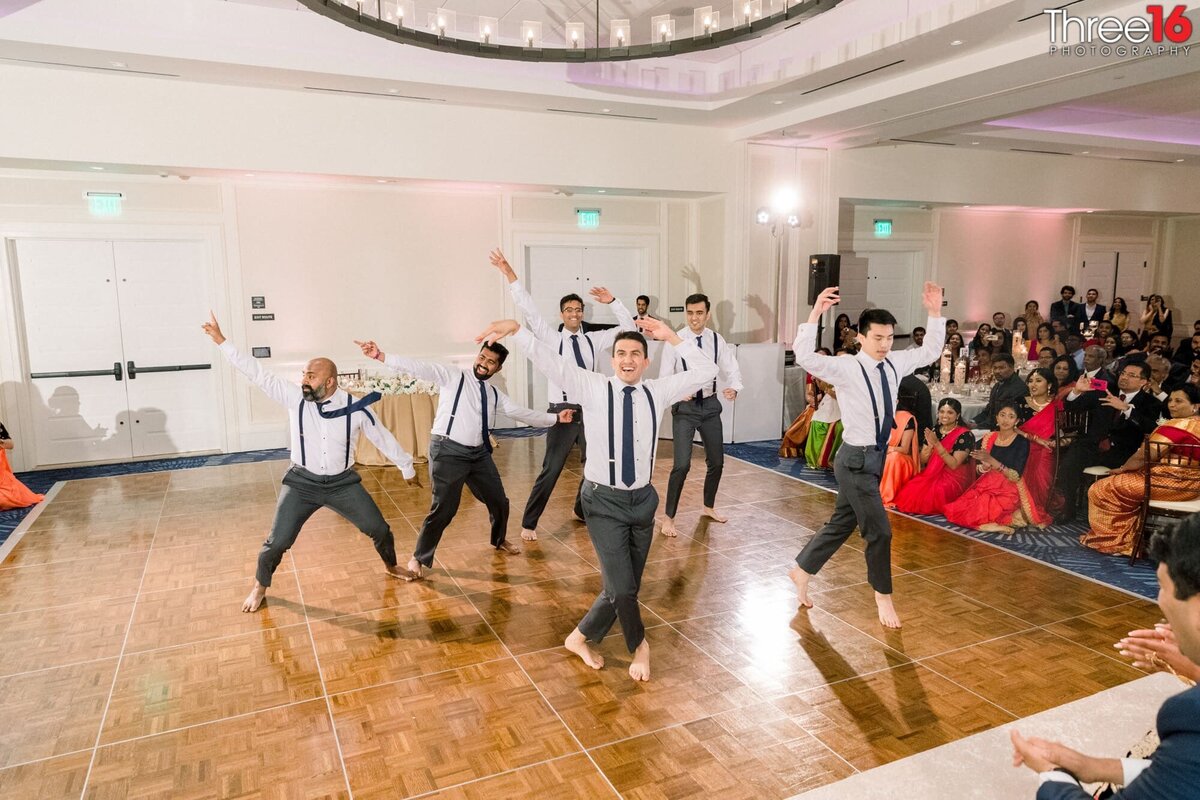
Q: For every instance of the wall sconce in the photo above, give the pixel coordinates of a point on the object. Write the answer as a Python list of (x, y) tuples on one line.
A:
[(751, 11), (575, 36), (489, 29), (662, 29), (531, 34), (706, 22), (441, 22), (618, 34)]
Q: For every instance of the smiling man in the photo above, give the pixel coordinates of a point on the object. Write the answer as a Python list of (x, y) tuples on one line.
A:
[(621, 416)]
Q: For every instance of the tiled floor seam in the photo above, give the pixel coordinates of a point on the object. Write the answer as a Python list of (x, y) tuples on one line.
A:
[(117, 670), (538, 689), (18, 533)]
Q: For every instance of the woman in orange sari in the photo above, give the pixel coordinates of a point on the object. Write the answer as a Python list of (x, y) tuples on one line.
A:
[(13, 493), (1114, 503), (999, 500), (948, 470), (903, 456), (1037, 426)]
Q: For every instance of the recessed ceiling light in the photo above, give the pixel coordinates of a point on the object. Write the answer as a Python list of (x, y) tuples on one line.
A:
[(380, 180), (1084, 152), (118, 64), (974, 142), (100, 168), (393, 91), (602, 191), (1178, 160), (606, 110), (956, 42), (966, 206), (249, 174), (777, 102)]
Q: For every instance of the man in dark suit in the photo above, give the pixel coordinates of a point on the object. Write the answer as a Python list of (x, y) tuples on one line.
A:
[(1068, 313), (1008, 388), (1000, 329), (1093, 367), (1117, 423), (1188, 351), (1173, 771), (1092, 311)]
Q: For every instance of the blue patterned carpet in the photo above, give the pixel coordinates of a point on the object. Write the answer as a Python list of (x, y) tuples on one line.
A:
[(1057, 545)]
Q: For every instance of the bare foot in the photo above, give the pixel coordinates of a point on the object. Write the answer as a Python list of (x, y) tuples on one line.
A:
[(668, 528), (414, 570), (508, 547), (801, 578), (254, 600), (577, 517), (639, 670), (713, 515), (578, 645), (887, 612), (397, 571), (528, 534)]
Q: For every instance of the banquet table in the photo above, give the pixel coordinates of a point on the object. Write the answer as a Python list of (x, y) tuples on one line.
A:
[(409, 417)]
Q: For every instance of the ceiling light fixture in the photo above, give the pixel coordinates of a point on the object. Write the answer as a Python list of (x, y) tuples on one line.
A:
[(98, 168), (118, 64), (1178, 160), (602, 191), (974, 142), (777, 102), (956, 42), (553, 39)]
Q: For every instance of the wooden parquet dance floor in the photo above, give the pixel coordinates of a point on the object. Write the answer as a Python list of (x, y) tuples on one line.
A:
[(127, 669)]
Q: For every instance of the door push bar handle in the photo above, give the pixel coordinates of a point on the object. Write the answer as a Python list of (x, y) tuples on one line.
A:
[(83, 373), (134, 369)]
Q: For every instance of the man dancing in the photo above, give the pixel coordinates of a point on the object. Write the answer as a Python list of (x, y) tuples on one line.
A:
[(866, 386), (575, 347), (701, 412), (621, 422), (460, 448), (325, 422)]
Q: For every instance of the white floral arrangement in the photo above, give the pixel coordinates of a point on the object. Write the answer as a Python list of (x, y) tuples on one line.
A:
[(390, 384)]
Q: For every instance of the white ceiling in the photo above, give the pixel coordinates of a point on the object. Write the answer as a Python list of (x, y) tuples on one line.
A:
[(866, 73)]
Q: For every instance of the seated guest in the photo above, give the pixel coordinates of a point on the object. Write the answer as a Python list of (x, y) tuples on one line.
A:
[(1116, 425), (1032, 316), (1059, 329), (1103, 331), (1164, 376), (1110, 349), (1065, 374), (1159, 344), (1037, 424), (1000, 330), (951, 327), (1188, 350), (903, 448), (921, 402), (1118, 314), (980, 369), (999, 500), (1046, 340), (946, 466), (1046, 358), (985, 340), (918, 338), (1174, 771), (13, 493), (1129, 343), (1093, 366), (1020, 327), (825, 430), (1008, 388), (840, 324), (954, 343), (1115, 502), (1194, 375), (1074, 347)]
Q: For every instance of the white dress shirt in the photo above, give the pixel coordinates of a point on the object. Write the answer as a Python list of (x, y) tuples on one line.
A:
[(858, 417), (592, 345), (591, 391), (324, 450), (466, 429), (1126, 396), (707, 340)]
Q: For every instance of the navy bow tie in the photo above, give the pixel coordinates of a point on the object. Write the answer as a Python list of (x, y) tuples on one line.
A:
[(350, 408)]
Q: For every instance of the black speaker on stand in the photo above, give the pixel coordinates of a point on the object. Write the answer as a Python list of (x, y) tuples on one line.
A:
[(824, 270)]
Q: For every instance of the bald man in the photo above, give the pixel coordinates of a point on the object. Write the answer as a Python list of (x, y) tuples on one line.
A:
[(324, 423)]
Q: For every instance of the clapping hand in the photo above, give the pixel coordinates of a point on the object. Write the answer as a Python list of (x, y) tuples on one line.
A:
[(370, 349), (931, 438)]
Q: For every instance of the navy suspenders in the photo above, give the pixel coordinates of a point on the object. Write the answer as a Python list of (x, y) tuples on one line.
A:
[(874, 405), (458, 395), (716, 345), (300, 415), (612, 434), (591, 346)]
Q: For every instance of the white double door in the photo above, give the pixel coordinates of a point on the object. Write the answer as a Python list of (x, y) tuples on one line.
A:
[(118, 365), (1120, 271), (558, 270)]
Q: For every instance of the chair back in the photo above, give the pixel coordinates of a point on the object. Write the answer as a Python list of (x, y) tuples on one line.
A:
[(1172, 472), (1070, 423)]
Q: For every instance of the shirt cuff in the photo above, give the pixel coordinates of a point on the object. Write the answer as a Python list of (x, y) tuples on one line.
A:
[(1132, 767), (408, 472)]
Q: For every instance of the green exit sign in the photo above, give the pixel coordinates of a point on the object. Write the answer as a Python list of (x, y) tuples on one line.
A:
[(104, 204), (588, 217), (883, 228)]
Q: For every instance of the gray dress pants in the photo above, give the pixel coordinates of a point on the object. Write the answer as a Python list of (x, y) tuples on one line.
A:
[(687, 418), (451, 466), (857, 470), (561, 437), (303, 493), (621, 525)]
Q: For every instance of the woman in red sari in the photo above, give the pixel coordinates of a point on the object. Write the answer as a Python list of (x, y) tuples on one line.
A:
[(1114, 503), (947, 470), (1037, 426), (999, 500)]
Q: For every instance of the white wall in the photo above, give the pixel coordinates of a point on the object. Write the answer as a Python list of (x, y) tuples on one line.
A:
[(1180, 269)]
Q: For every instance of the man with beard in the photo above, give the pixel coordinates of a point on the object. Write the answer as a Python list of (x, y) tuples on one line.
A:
[(325, 422), (460, 447)]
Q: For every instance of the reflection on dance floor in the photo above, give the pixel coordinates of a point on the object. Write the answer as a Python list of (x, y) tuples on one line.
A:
[(128, 670)]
